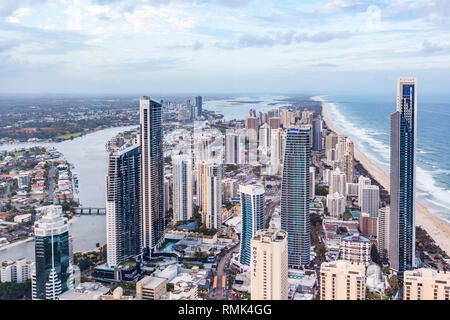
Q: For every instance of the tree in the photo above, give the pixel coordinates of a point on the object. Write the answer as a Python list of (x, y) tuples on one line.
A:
[(374, 255), (15, 291)]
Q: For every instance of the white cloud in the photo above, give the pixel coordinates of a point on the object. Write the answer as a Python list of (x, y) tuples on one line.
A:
[(18, 15)]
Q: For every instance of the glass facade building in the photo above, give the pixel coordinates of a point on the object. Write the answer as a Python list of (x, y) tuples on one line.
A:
[(252, 212), (295, 194), (152, 181), (403, 177), (123, 205), (54, 273)]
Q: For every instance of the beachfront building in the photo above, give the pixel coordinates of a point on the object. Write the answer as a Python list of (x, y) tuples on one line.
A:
[(342, 280), (355, 248), (348, 163), (252, 215), (269, 270), (370, 200), (123, 205), (152, 171), (182, 187), (426, 284), (338, 183), (336, 204), (403, 177), (53, 273), (295, 215), (330, 141), (362, 181)]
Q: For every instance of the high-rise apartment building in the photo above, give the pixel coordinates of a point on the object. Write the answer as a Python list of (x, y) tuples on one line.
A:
[(252, 215), (269, 265), (199, 106), (348, 162), (214, 196), (370, 200), (403, 177), (182, 187), (295, 218), (123, 205), (54, 273), (383, 231), (317, 134), (342, 280), (362, 181), (338, 182), (152, 181), (336, 204)]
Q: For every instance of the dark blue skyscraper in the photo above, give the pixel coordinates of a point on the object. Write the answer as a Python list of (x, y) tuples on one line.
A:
[(252, 209), (123, 205), (295, 194), (198, 106), (54, 273), (403, 177), (152, 174)]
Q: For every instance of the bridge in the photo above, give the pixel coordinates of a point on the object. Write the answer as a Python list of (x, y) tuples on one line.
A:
[(90, 211)]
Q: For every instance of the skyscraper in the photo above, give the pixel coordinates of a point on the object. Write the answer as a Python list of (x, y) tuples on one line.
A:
[(252, 212), (199, 106), (269, 269), (123, 205), (403, 177), (182, 187), (231, 147), (370, 200), (317, 134), (151, 137), (348, 162), (295, 194), (54, 273), (214, 196)]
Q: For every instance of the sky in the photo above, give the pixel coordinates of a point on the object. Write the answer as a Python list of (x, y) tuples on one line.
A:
[(223, 46)]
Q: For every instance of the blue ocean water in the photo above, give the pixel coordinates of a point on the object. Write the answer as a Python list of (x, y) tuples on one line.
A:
[(366, 120)]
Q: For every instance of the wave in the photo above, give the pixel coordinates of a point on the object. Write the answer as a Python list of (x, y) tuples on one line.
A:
[(428, 189)]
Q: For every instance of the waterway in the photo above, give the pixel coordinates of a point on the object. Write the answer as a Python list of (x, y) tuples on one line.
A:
[(90, 159)]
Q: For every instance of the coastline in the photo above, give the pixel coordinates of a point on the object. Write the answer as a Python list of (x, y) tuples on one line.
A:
[(436, 227)]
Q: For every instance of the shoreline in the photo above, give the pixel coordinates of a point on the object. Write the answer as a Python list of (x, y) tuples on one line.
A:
[(436, 227)]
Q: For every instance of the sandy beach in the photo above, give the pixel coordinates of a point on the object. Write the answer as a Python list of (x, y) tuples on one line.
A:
[(436, 227)]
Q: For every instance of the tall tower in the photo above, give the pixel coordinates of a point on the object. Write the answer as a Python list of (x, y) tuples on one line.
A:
[(182, 188), (214, 196), (151, 135), (199, 106), (317, 134), (403, 177), (269, 272), (54, 273), (123, 205), (295, 194), (252, 212)]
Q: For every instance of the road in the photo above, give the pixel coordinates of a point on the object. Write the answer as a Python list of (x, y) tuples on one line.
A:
[(224, 261)]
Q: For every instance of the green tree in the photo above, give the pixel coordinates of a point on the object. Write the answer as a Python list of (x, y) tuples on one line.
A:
[(374, 255)]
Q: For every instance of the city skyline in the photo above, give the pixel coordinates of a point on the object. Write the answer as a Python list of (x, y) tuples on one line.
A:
[(95, 46)]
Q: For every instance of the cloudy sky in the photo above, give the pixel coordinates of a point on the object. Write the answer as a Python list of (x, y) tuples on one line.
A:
[(222, 46)]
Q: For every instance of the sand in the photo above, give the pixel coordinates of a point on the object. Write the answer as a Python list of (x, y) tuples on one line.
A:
[(436, 227)]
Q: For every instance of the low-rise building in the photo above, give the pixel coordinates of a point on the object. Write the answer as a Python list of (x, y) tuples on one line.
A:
[(150, 288), (355, 248), (16, 271), (342, 280), (85, 291)]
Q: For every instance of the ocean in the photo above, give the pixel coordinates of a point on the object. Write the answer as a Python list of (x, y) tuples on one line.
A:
[(366, 120)]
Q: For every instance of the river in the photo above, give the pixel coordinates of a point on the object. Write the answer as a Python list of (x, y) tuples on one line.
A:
[(90, 159)]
